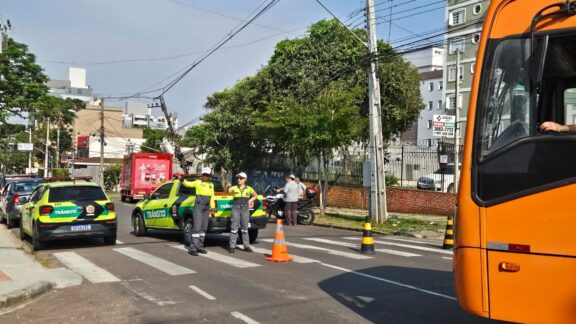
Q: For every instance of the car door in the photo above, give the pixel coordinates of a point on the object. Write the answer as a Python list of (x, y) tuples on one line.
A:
[(156, 208), (27, 212)]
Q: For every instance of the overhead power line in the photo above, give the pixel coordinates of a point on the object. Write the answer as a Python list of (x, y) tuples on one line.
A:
[(250, 19)]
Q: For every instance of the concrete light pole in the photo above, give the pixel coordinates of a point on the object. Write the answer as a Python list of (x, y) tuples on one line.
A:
[(378, 208)]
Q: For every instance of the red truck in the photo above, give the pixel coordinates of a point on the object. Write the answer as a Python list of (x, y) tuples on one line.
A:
[(142, 173)]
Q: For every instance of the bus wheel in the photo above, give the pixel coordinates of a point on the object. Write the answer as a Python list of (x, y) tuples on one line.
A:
[(451, 188)]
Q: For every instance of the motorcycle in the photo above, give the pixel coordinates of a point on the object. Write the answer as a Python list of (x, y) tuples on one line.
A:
[(275, 206)]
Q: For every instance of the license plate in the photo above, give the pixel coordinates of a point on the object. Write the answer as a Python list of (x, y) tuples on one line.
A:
[(86, 227)]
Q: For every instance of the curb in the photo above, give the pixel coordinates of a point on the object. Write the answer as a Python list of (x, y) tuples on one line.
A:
[(24, 295), (360, 230)]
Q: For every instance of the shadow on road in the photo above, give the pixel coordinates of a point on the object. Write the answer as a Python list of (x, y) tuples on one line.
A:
[(387, 301)]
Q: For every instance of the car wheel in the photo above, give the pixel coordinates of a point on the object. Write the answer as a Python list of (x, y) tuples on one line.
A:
[(252, 235), (9, 222), (307, 217), (22, 234), (138, 224), (110, 240), (37, 245), (450, 188), (187, 231)]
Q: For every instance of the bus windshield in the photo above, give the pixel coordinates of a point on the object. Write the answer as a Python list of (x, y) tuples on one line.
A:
[(523, 87)]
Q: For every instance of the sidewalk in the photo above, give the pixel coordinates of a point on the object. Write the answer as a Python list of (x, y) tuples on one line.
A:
[(22, 278), (364, 213)]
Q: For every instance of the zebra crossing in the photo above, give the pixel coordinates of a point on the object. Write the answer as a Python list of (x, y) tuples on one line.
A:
[(96, 274)]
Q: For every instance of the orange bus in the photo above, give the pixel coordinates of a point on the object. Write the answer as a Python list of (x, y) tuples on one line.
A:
[(515, 225)]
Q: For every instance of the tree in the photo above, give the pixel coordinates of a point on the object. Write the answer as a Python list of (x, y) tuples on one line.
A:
[(23, 82), (112, 176), (153, 139), (311, 98)]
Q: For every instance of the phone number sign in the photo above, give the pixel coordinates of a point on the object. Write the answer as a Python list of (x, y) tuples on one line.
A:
[(443, 125)]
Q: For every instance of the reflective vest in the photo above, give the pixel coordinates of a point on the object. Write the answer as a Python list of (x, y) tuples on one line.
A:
[(204, 191), (242, 195)]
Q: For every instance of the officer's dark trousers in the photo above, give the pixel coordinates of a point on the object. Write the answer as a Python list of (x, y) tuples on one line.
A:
[(239, 221), (200, 225)]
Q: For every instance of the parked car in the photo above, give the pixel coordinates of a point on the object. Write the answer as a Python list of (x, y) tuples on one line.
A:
[(6, 178), (14, 192), (441, 180)]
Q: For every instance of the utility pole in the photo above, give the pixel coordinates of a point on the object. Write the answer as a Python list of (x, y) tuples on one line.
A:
[(172, 133), (46, 148), (102, 132), (29, 153), (457, 120), (378, 209)]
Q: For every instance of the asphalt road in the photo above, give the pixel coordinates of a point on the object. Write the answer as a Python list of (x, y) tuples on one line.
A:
[(153, 280)]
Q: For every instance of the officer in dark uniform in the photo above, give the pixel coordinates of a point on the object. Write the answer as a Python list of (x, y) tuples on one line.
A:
[(205, 205), (244, 197)]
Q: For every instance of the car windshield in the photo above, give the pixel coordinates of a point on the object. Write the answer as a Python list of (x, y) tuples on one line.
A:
[(26, 186), (62, 194)]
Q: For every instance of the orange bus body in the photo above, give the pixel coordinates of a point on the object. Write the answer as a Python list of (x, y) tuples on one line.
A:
[(514, 260)]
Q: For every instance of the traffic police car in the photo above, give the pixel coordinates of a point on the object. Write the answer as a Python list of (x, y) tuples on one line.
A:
[(171, 206), (67, 208)]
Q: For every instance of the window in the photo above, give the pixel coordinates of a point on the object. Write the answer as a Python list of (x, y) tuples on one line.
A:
[(451, 102), (163, 192), (37, 194), (71, 193), (431, 86), (185, 191), (475, 38), (440, 104), (570, 106), (440, 85), (457, 17), (429, 124), (477, 9), (456, 43), (430, 105), (452, 73)]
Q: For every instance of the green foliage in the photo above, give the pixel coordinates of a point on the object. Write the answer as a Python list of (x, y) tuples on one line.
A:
[(10, 158), (23, 82), (153, 141), (112, 176), (60, 172), (391, 181), (309, 99)]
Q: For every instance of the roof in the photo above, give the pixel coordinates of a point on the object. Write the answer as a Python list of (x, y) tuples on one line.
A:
[(432, 75)]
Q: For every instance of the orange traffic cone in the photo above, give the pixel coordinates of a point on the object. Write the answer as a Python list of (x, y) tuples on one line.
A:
[(279, 250)]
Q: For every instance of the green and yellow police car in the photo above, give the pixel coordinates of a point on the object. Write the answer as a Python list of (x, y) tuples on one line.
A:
[(171, 206), (62, 208)]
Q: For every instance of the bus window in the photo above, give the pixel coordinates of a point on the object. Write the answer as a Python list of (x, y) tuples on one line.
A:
[(507, 116), (570, 106)]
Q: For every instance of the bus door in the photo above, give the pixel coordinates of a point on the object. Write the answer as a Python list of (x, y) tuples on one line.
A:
[(524, 180)]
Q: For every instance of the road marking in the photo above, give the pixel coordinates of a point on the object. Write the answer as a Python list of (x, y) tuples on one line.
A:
[(396, 283), (297, 258), (352, 245), (223, 258), (202, 293), (447, 258), (411, 241), (85, 268), (244, 318), (317, 248), (119, 242), (415, 247), (155, 262), (147, 296)]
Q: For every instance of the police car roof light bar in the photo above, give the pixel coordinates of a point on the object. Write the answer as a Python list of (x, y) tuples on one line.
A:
[(86, 178)]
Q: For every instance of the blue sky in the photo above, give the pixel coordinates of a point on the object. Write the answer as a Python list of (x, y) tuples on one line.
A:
[(91, 34)]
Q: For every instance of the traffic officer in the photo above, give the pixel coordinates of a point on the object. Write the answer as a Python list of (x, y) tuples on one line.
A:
[(244, 197), (204, 205)]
